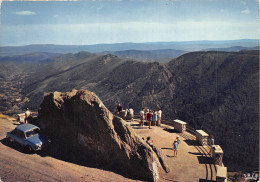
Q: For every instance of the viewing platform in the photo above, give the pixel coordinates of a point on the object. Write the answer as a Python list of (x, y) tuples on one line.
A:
[(193, 162)]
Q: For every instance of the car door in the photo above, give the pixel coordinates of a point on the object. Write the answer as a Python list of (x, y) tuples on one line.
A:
[(15, 135)]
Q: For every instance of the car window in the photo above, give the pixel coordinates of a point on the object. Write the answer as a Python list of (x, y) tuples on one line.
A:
[(20, 134), (32, 132)]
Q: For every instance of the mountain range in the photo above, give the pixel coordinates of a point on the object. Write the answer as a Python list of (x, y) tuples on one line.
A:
[(187, 46), (211, 90)]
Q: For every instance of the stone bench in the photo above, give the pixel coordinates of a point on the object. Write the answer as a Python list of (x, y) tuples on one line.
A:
[(179, 125), (217, 154), (202, 137)]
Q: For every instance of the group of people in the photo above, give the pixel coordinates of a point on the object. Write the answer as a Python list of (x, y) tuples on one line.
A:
[(152, 117), (124, 112), (251, 176)]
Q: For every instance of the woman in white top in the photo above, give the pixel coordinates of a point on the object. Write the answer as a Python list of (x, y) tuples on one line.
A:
[(131, 112), (124, 113), (159, 117), (142, 117), (27, 115)]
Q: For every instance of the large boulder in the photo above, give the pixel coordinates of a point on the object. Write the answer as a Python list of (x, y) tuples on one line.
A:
[(79, 121)]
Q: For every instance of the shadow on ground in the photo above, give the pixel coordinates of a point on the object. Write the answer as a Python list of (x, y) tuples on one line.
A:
[(205, 180), (65, 153), (17, 124), (205, 160), (192, 142), (15, 146), (195, 153), (167, 148), (171, 156), (171, 130), (136, 125), (71, 155)]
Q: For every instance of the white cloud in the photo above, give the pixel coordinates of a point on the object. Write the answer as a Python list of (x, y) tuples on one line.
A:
[(25, 13), (243, 2), (246, 11)]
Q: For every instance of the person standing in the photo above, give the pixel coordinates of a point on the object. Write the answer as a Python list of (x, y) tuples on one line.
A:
[(27, 115), (175, 147), (142, 116), (178, 139), (150, 142), (159, 117), (131, 113), (211, 142), (147, 111), (155, 119), (119, 109), (124, 113), (149, 118)]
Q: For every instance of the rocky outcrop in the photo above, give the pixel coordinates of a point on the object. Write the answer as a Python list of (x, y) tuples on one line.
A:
[(79, 120)]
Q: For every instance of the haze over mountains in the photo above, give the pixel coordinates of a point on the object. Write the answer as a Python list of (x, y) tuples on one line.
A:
[(181, 45), (160, 55), (214, 91)]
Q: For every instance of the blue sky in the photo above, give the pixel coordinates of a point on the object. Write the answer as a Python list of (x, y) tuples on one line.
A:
[(92, 22)]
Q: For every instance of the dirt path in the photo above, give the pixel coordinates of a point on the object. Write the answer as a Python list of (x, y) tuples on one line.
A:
[(15, 165), (191, 164)]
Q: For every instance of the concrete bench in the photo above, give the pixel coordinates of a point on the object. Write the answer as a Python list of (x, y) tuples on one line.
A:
[(217, 154), (179, 125), (202, 137)]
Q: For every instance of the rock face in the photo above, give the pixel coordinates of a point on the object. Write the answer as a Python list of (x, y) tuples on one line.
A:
[(80, 121)]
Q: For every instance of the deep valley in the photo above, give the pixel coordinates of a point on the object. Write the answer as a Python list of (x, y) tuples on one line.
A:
[(214, 91)]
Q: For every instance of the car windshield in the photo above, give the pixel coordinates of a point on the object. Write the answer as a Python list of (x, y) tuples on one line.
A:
[(32, 132)]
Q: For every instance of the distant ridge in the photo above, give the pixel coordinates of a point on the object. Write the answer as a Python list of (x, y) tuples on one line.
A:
[(181, 45), (35, 56), (232, 49)]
